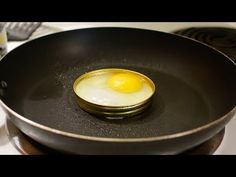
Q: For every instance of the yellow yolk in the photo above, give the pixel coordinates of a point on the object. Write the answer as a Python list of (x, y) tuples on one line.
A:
[(125, 82)]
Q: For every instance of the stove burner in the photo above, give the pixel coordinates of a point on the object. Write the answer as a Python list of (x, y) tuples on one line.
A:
[(223, 39), (28, 146)]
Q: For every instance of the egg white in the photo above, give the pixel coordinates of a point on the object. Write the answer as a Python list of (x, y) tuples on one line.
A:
[(96, 90)]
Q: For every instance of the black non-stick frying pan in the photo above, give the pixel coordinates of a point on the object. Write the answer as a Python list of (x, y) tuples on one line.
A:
[(195, 95)]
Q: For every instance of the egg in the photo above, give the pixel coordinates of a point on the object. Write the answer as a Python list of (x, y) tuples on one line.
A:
[(116, 87)]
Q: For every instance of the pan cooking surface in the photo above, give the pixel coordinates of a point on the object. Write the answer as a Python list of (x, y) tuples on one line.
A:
[(171, 112), (189, 92)]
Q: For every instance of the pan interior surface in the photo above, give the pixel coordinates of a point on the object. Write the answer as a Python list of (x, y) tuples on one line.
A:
[(190, 93)]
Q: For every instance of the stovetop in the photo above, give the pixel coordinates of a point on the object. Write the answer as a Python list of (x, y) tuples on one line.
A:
[(223, 39), (221, 36)]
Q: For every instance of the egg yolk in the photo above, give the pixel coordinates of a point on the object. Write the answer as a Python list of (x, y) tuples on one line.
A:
[(125, 82)]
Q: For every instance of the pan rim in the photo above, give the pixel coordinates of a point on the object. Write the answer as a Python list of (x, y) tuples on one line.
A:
[(120, 140), (125, 140), (127, 28)]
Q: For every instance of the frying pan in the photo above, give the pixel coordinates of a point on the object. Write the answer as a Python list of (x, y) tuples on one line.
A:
[(194, 100)]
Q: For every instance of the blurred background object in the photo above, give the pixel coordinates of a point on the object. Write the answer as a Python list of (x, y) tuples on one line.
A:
[(21, 31), (18, 31), (3, 40)]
